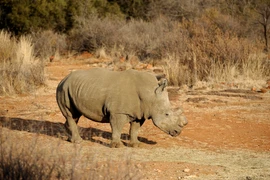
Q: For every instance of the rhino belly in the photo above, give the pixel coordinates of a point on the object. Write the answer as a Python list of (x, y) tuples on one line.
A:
[(93, 109), (96, 117)]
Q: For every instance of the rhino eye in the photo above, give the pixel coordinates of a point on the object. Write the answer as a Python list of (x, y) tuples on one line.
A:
[(167, 114)]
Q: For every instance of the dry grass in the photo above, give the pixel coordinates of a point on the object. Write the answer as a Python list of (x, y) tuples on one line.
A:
[(221, 56), (35, 158), (252, 72), (177, 72), (20, 71)]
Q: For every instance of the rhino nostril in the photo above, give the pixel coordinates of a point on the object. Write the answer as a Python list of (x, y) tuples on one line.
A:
[(174, 133)]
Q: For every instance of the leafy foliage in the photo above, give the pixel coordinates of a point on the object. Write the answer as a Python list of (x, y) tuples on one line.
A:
[(24, 16)]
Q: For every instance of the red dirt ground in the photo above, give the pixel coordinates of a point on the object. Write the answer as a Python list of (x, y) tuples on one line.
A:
[(220, 121)]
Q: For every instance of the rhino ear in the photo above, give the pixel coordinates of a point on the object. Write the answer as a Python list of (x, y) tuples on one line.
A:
[(161, 85), (160, 76)]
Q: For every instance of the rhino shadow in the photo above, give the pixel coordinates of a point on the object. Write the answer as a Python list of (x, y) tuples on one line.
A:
[(58, 130)]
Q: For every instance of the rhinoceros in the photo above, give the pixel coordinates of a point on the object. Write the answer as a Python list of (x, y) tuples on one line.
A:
[(117, 98)]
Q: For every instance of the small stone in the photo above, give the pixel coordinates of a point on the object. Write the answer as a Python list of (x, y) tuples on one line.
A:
[(149, 66), (186, 170), (190, 177)]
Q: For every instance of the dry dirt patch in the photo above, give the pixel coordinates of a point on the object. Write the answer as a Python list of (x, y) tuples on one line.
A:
[(227, 136)]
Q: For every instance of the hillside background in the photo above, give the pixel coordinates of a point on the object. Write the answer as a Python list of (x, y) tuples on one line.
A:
[(193, 40)]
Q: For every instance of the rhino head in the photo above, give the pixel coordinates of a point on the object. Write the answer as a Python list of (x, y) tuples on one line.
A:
[(166, 119)]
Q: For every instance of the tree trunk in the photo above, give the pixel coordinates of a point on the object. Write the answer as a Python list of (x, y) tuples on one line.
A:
[(265, 36)]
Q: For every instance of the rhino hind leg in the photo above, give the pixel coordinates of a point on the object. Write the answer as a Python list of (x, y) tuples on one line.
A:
[(117, 122), (71, 125), (134, 130), (72, 117)]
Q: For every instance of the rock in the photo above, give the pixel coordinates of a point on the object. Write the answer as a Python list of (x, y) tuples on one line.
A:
[(186, 170), (263, 90), (253, 89), (149, 66), (268, 83)]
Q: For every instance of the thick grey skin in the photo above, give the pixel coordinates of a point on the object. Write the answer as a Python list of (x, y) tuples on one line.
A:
[(117, 98)]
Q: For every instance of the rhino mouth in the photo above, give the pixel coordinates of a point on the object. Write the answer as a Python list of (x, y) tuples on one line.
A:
[(173, 130), (174, 133)]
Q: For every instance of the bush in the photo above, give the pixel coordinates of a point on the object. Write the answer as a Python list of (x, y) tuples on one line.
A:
[(217, 52), (48, 43), (20, 72), (223, 55), (147, 40), (218, 39), (23, 17), (94, 33)]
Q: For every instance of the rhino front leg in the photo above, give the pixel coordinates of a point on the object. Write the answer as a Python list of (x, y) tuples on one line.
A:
[(134, 130), (117, 122), (71, 125)]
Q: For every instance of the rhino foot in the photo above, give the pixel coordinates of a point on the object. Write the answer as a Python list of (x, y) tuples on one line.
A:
[(136, 145), (76, 140), (116, 145)]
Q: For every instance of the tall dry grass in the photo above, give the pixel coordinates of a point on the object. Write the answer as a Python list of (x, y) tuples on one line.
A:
[(23, 163), (20, 71), (36, 158), (219, 56), (176, 71)]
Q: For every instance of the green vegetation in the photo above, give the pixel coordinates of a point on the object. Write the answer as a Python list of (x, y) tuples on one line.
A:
[(212, 40), (27, 16)]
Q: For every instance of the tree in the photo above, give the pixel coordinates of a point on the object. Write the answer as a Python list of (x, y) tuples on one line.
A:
[(264, 19), (174, 9), (25, 16), (14, 15), (133, 8)]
